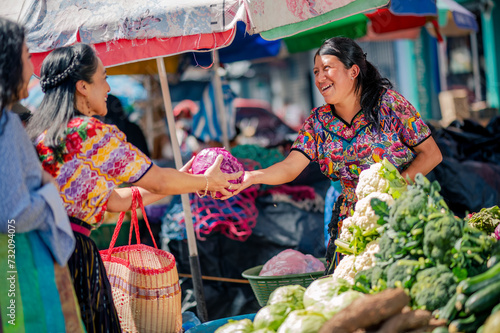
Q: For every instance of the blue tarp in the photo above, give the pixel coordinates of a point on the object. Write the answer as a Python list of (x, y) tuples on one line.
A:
[(413, 7), (244, 47)]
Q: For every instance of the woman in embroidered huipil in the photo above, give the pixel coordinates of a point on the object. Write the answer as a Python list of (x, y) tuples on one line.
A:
[(89, 159), (362, 122)]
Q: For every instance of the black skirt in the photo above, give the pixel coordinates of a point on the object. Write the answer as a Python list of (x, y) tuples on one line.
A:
[(332, 256), (92, 285)]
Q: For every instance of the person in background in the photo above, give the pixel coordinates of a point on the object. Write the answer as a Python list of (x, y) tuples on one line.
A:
[(183, 116), (362, 122), (35, 233), (89, 160), (116, 116)]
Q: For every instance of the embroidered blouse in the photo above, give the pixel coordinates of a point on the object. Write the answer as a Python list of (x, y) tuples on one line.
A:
[(94, 159), (344, 150)]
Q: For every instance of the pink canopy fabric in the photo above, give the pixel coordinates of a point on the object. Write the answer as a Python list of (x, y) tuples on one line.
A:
[(124, 31)]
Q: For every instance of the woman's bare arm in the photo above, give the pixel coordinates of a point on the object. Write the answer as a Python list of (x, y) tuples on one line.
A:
[(428, 157), (160, 182), (279, 173)]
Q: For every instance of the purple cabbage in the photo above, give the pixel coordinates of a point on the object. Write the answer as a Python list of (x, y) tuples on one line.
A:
[(497, 232), (206, 158)]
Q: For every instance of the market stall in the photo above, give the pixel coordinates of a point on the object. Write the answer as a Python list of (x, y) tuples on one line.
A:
[(410, 264)]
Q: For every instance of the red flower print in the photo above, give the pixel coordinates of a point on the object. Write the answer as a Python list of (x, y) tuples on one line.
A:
[(398, 149), (337, 154), (91, 130), (74, 143), (364, 150), (42, 149), (98, 125), (51, 168), (67, 157), (75, 122)]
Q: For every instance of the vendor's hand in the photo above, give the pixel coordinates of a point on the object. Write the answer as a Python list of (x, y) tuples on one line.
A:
[(187, 167), (247, 182), (219, 181)]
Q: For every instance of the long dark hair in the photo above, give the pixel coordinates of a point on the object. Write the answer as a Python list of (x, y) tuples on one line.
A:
[(11, 63), (61, 69), (370, 83)]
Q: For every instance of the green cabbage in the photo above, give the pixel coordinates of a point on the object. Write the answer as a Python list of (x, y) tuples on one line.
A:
[(272, 316), (236, 326), (330, 307), (302, 321), (264, 330), (324, 289), (292, 294)]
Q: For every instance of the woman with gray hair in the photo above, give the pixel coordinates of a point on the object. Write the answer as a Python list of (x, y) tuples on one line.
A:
[(89, 160)]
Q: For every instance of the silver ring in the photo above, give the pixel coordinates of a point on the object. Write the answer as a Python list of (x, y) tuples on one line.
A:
[(230, 186)]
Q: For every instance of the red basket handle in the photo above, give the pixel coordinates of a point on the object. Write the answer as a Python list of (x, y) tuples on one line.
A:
[(139, 200), (134, 225)]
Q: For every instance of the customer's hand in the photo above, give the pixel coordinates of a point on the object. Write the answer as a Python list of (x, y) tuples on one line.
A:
[(247, 182), (187, 167), (219, 181)]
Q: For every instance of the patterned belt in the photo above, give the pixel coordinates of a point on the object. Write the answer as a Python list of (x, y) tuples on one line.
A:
[(80, 226)]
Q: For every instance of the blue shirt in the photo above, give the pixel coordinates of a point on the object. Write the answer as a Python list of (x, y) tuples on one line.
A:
[(25, 204)]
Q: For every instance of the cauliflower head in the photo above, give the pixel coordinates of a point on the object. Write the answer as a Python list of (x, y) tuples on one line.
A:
[(366, 259), (345, 269), (345, 233), (364, 217), (370, 180), (350, 265)]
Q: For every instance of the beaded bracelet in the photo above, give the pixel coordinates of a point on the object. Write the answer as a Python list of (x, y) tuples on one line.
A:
[(206, 188)]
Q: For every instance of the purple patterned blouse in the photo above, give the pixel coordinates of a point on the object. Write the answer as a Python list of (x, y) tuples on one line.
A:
[(344, 150)]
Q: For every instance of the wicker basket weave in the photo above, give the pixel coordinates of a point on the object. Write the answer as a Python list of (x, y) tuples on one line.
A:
[(144, 281), (263, 286)]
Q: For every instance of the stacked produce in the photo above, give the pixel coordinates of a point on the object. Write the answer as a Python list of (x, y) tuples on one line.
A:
[(475, 299), (291, 309), (384, 312), (358, 238), (428, 251), (331, 306), (410, 265)]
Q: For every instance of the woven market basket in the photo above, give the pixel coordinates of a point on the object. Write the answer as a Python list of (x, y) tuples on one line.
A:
[(144, 280), (263, 286), (146, 289)]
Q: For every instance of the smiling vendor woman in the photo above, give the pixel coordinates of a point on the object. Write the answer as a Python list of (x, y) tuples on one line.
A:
[(362, 122)]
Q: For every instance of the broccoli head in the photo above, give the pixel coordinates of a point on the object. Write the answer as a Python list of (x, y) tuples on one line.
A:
[(401, 274), (433, 287), (387, 247), (411, 203), (441, 232), (371, 279)]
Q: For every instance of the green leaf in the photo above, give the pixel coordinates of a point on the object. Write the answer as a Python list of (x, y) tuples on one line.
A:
[(381, 208), (460, 273)]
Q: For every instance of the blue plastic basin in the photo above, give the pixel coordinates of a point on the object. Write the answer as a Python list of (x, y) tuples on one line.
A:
[(211, 326)]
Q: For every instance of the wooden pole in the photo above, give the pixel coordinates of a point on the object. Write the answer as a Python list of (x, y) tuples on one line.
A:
[(188, 219)]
